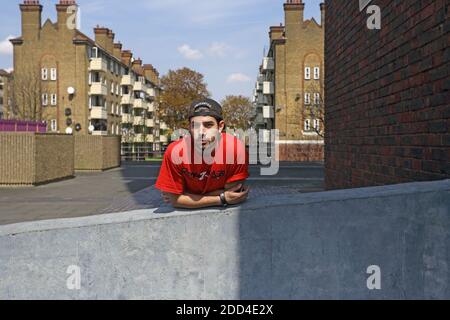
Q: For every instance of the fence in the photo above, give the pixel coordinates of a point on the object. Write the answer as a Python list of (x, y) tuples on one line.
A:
[(139, 153), (22, 126), (29, 158)]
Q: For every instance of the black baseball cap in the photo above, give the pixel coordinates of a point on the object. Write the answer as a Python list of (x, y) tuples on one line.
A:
[(206, 107)]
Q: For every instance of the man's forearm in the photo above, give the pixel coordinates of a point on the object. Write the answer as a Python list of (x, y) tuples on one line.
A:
[(192, 201)]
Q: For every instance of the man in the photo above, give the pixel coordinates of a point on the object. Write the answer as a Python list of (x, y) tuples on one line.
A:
[(207, 167)]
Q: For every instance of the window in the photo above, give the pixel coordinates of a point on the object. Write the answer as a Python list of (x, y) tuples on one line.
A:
[(53, 125), (307, 98), (112, 87), (316, 73), (44, 99), (117, 130), (307, 125), (44, 73), (53, 74), (94, 52), (53, 99), (307, 73), (316, 124), (316, 98), (117, 89), (112, 128)]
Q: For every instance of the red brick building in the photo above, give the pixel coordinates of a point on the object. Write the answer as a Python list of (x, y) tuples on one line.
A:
[(387, 92)]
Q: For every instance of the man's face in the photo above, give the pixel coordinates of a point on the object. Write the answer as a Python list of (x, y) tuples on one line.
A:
[(205, 130)]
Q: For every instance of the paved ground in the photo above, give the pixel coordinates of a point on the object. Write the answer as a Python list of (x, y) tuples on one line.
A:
[(131, 187)]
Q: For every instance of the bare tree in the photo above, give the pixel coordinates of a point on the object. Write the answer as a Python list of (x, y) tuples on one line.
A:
[(26, 102)]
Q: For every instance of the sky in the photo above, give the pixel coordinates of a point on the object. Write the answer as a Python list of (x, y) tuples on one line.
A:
[(223, 39)]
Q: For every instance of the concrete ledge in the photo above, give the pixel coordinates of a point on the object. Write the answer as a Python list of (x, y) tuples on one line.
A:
[(315, 245)]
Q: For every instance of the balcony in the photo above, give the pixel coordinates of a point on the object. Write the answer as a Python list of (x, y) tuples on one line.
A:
[(99, 113), (259, 119), (163, 126), (127, 80), (139, 86), (139, 104), (98, 89), (98, 64), (150, 123), (126, 118), (163, 139), (151, 92), (127, 99), (138, 138), (259, 86), (268, 88), (268, 64), (138, 121), (151, 107), (150, 138), (265, 136), (268, 112), (99, 133)]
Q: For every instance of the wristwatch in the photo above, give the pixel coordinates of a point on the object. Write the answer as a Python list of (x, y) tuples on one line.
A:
[(223, 199)]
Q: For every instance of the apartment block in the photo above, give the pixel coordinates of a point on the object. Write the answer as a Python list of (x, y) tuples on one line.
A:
[(82, 86), (289, 91)]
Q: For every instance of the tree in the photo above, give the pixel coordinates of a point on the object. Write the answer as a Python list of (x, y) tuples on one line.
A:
[(26, 103), (180, 88), (315, 110), (237, 111)]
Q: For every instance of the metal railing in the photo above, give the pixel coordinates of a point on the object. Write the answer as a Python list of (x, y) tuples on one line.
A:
[(140, 153)]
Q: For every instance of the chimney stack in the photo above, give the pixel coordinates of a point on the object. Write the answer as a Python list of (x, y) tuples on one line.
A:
[(65, 15), (293, 10), (101, 37), (151, 73), (323, 14), (31, 19), (276, 32), (118, 50), (110, 42), (126, 57)]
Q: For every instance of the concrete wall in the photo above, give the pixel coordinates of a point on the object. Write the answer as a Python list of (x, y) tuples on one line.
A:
[(31, 158), (316, 245), (97, 152)]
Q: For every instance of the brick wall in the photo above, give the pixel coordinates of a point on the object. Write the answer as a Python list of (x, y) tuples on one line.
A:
[(387, 93), (306, 152)]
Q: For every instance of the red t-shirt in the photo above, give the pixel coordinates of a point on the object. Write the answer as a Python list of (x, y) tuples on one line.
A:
[(230, 164)]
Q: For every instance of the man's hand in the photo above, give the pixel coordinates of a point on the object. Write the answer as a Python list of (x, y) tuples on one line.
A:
[(167, 197), (235, 195)]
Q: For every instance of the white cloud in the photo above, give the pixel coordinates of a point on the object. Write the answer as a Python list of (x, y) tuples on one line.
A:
[(6, 47), (189, 53), (9, 70), (218, 49), (238, 77)]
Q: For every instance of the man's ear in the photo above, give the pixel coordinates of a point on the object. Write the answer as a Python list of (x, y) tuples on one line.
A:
[(221, 125)]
